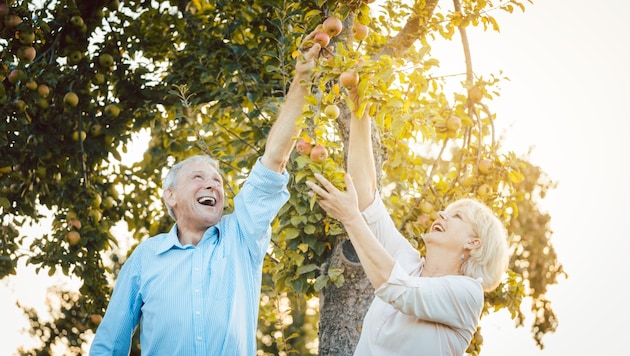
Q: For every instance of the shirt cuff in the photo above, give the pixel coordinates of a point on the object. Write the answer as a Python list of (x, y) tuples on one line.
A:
[(264, 177)]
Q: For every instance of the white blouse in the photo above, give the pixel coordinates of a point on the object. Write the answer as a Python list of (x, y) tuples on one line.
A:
[(413, 315)]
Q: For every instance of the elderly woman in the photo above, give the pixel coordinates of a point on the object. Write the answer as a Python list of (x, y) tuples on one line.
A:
[(427, 305)]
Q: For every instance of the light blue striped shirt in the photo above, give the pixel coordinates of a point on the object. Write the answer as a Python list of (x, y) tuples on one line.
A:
[(197, 300)]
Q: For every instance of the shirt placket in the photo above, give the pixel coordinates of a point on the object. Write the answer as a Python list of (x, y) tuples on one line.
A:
[(197, 292)]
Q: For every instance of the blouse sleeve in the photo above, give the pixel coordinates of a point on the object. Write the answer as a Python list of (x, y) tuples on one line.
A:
[(383, 227), (456, 301)]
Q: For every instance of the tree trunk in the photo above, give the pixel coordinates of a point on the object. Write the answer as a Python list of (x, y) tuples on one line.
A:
[(342, 309)]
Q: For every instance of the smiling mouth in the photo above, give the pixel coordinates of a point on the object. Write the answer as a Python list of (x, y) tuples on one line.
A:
[(208, 201), (437, 227)]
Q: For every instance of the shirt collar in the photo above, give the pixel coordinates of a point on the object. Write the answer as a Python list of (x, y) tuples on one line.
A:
[(212, 234)]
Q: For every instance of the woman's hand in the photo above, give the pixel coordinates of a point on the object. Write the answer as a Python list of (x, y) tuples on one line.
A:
[(343, 206)]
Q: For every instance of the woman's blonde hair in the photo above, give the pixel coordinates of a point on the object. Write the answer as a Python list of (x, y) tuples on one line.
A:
[(490, 261)]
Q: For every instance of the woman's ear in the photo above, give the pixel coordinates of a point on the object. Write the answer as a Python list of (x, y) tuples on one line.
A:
[(473, 243)]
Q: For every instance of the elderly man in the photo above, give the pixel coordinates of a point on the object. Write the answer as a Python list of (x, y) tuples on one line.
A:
[(195, 290)]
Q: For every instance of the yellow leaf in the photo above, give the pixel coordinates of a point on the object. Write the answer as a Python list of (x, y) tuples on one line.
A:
[(515, 176)]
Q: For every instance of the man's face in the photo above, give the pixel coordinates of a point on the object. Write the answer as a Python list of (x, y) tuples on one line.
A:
[(197, 198)]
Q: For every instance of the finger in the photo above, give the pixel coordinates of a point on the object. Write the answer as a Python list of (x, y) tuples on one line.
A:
[(330, 188), (316, 189)]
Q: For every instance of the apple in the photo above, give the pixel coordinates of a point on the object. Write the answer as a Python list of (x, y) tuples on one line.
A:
[(426, 207), (303, 147), (76, 21), (112, 110), (453, 123), (96, 215), (319, 154), (26, 37), (484, 190), (75, 135), (485, 165), (15, 76), (31, 84), (97, 201), (76, 223), (20, 106), (71, 215), (42, 103), (332, 111), (75, 57), (349, 79), (475, 94), (108, 202), (322, 38), (106, 60), (71, 99), (12, 21), (26, 53), (359, 31), (73, 238), (109, 139), (96, 319), (43, 90), (96, 130), (332, 26), (99, 78)]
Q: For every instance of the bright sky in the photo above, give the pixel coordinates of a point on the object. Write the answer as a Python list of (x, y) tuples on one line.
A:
[(568, 61)]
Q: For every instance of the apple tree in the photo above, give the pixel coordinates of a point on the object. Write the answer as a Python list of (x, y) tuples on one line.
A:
[(81, 79)]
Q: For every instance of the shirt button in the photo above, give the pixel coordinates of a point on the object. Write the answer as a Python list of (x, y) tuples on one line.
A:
[(199, 338), (196, 290), (197, 313)]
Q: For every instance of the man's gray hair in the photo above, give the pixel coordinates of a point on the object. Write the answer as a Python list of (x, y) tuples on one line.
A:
[(169, 181)]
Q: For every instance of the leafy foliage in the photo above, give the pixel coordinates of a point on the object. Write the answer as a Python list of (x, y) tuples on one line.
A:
[(210, 76)]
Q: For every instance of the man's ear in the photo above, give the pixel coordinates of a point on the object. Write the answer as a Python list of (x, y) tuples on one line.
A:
[(169, 197)]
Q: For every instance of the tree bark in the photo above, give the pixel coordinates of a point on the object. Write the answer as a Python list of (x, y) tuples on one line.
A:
[(342, 309)]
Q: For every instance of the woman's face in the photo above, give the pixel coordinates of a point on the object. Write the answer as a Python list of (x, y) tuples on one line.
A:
[(452, 230), (197, 198)]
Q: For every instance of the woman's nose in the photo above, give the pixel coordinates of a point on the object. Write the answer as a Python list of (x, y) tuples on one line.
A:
[(442, 215)]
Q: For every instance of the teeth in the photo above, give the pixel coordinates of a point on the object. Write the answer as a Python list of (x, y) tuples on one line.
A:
[(207, 201), (439, 228)]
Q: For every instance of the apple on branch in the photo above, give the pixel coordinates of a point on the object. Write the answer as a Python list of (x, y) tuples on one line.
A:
[(303, 147), (322, 38), (349, 79), (359, 31), (319, 154), (332, 26), (332, 111)]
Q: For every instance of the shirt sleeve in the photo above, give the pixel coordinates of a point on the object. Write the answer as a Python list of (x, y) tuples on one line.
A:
[(383, 227), (114, 334), (456, 301), (257, 204)]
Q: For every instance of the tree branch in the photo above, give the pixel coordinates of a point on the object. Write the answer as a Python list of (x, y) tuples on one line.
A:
[(416, 27)]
